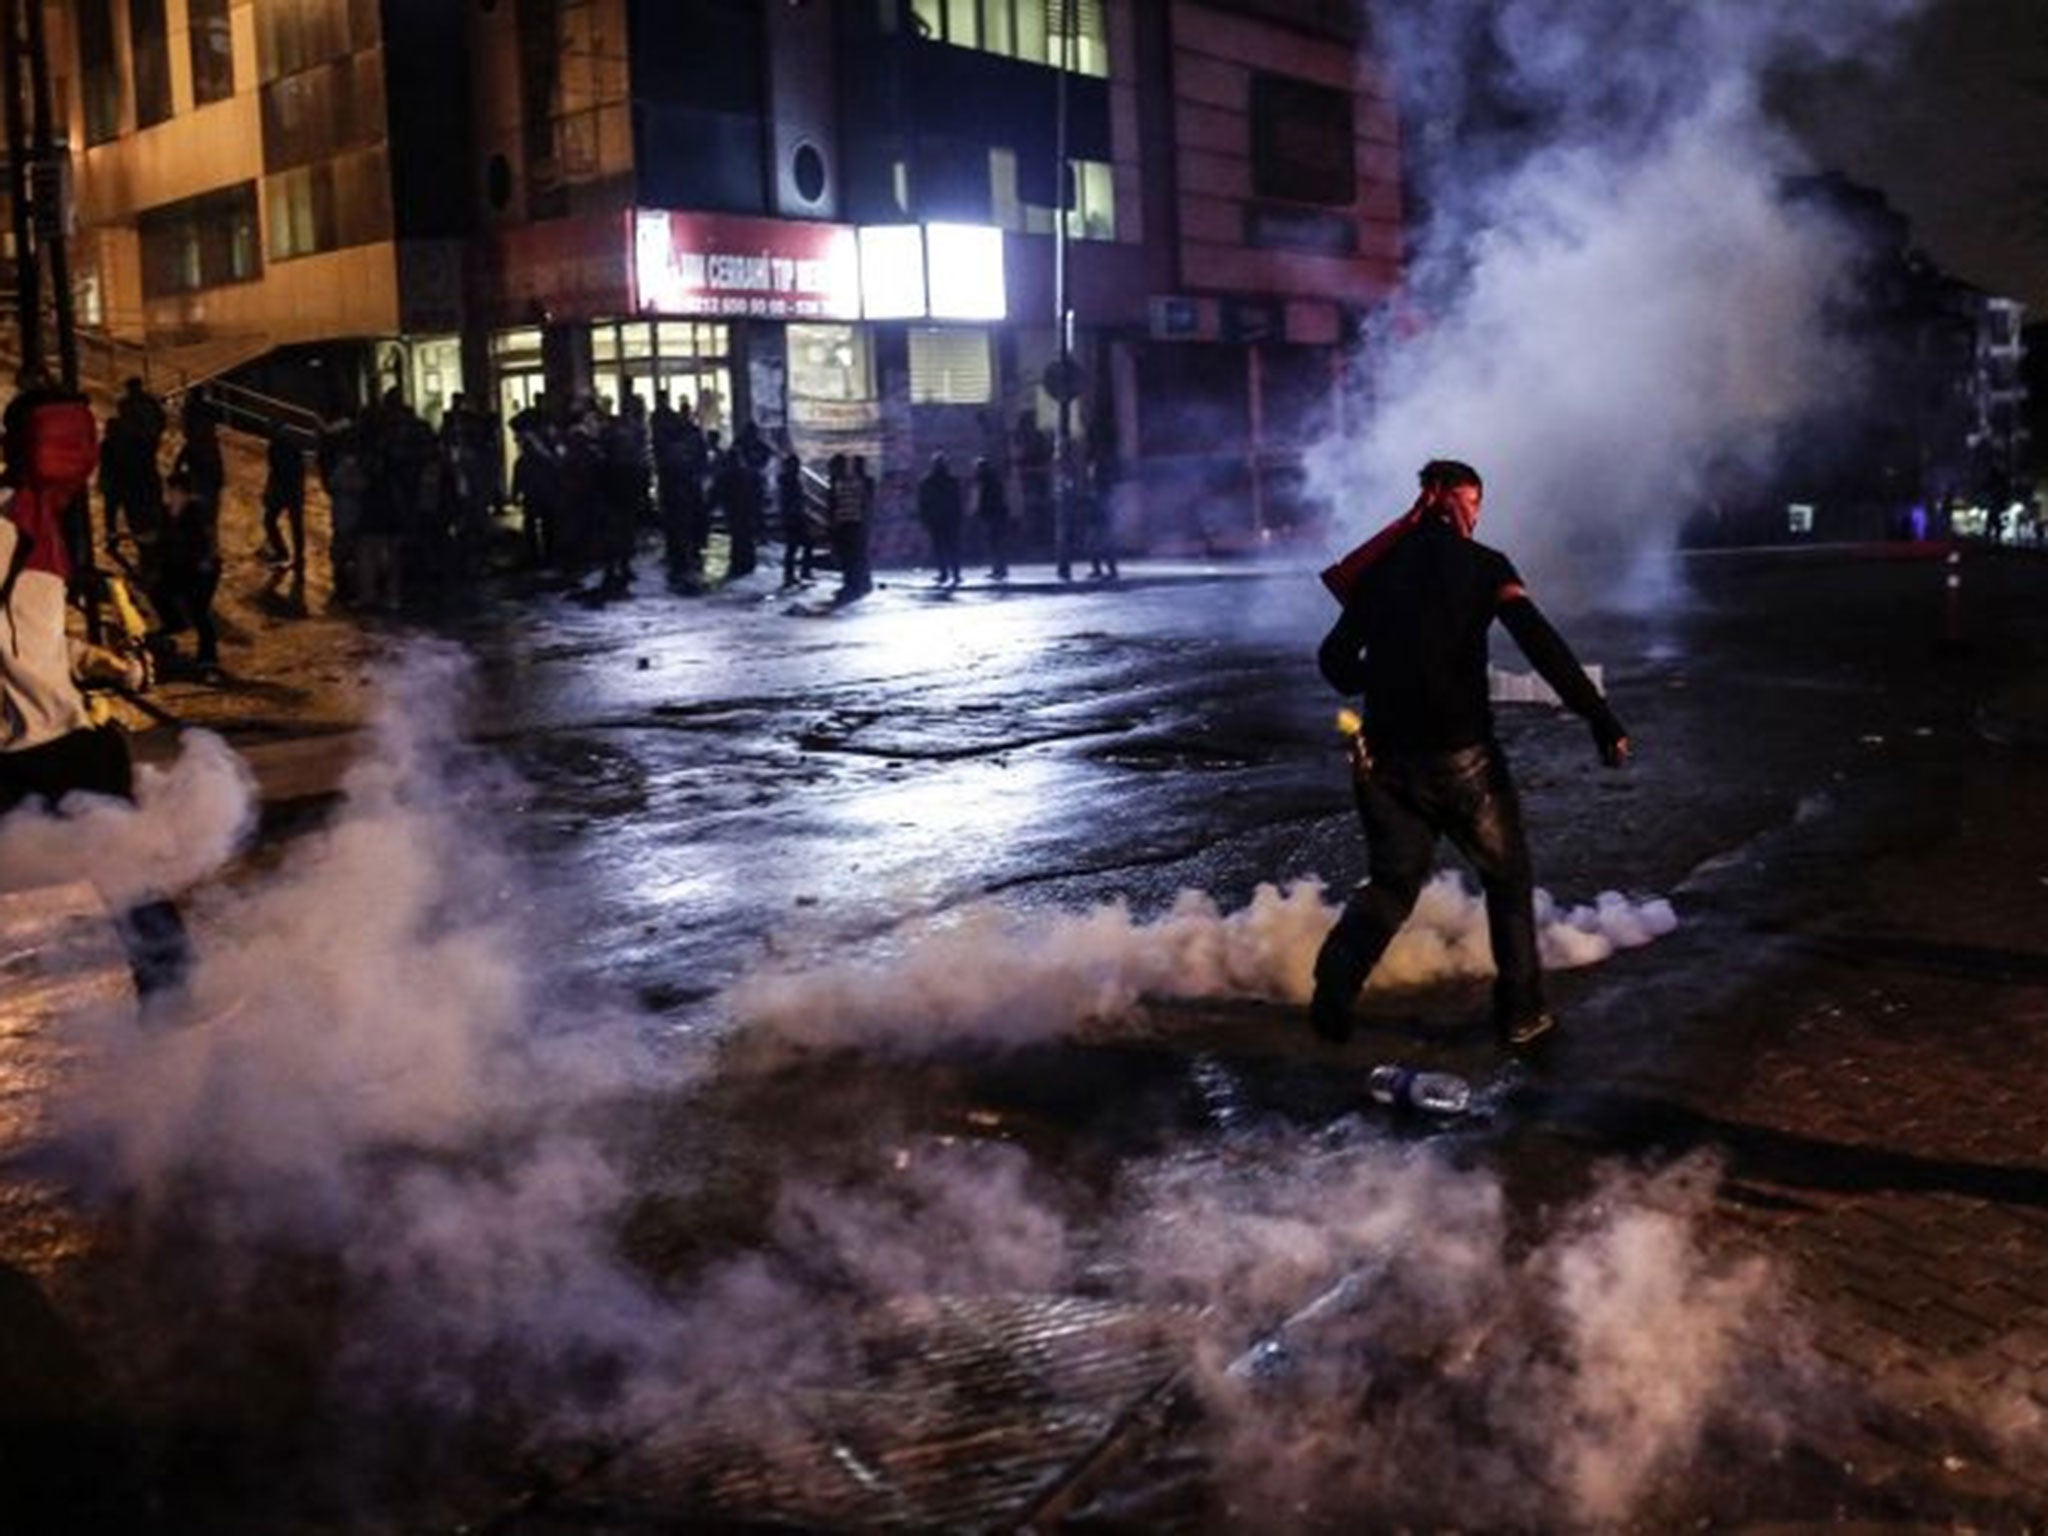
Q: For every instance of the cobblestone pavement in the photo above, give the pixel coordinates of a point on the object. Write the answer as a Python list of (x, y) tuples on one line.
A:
[(1910, 1080)]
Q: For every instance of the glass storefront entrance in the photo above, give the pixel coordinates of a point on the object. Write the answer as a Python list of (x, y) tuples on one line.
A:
[(691, 360)]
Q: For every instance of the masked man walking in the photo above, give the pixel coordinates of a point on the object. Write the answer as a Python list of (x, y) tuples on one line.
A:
[(1418, 602)]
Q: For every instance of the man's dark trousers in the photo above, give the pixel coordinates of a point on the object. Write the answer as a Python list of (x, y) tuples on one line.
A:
[(1406, 800)]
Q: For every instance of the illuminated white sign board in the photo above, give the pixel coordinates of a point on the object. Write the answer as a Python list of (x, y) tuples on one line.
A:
[(891, 272), (771, 269), (788, 269), (964, 269)]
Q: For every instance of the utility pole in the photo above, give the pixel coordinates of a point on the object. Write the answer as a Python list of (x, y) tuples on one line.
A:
[(1063, 318), (48, 178), (35, 169), (28, 296)]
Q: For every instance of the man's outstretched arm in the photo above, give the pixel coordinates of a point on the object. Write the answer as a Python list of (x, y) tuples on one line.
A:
[(1557, 666)]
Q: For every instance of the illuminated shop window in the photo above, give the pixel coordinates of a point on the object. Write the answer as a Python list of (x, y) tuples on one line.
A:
[(950, 365), (688, 361), (520, 345), (830, 362), (687, 338), (1030, 30)]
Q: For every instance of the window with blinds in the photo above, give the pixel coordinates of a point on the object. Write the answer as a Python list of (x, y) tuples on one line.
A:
[(1037, 31), (950, 365)]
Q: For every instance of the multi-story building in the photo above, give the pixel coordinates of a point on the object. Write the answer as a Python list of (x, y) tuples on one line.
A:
[(273, 182), (845, 221)]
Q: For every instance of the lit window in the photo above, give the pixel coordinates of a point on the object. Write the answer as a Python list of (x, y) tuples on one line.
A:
[(949, 365), (829, 362), (1093, 216), (1039, 31), (1004, 206)]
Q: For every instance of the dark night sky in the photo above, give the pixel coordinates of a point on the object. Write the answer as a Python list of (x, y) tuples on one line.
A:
[(1955, 130)]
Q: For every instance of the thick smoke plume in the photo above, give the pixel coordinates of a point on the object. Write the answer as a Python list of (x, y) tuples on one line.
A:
[(375, 1081), (1610, 302), (986, 973)]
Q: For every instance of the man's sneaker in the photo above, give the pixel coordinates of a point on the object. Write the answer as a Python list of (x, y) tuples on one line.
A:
[(1525, 1034)]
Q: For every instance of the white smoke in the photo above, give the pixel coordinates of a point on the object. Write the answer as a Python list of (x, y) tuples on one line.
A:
[(1453, 1372), (188, 819), (369, 1074), (989, 973), (1611, 296), (363, 1066)]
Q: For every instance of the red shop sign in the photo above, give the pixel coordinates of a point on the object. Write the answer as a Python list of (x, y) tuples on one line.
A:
[(721, 264)]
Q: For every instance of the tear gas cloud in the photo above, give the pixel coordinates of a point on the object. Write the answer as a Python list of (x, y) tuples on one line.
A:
[(362, 994), (1455, 1373), (984, 972), (373, 1074), (1608, 299), (189, 818)]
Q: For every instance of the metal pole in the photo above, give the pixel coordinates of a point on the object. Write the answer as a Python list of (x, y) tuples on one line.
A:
[(1063, 320), (47, 174), (49, 190), (27, 281)]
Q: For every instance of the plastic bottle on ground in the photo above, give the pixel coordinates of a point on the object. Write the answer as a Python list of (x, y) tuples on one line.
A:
[(1434, 1093)]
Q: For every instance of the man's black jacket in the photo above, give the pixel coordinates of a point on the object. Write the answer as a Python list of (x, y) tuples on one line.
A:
[(1412, 640)]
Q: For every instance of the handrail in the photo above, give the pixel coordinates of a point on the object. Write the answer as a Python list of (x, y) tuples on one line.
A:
[(250, 410)]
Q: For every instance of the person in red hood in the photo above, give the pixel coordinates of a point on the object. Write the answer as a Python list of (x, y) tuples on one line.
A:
[(49, 742), (1418, 601)]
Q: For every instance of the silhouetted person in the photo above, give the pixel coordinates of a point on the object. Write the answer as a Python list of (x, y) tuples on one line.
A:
[(537, 478), (736, 490), (284, 498), (992, 511), (793, 509), (1418, 602), (622, 485), (348, 482), (191, 568), (939, 508), (1095, 507), (849, 538), (1032, 449), (142, 426)]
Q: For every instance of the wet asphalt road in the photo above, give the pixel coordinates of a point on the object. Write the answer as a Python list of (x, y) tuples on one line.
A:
[(710, 776), (701, 782)]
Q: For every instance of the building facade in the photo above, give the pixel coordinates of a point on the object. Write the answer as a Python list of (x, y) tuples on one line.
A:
[(855, 223), (267, 184)]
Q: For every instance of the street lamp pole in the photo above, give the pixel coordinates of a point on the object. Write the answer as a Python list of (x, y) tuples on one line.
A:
[(1063, 318)]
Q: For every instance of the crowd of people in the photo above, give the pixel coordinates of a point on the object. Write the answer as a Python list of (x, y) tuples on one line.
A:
[(419, 507), (589, 481)]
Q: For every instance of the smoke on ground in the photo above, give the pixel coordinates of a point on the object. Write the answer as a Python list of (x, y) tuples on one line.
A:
[(1610, 299), (1460, 1371), (374, 1079), (188, 819), (994, 974)]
